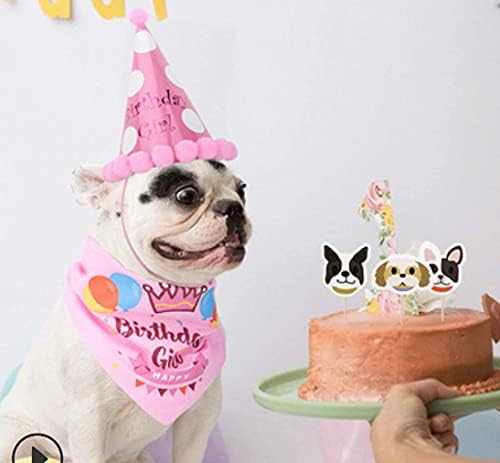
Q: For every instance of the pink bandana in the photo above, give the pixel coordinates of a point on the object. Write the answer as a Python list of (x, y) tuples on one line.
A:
[(161, 343)]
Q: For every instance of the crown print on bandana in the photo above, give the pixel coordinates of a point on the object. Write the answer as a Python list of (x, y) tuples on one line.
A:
[(173, 298)]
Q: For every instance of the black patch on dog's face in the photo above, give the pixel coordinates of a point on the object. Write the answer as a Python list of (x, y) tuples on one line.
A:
[(450, 269), (356, 264), (450, 264), (167, 182), (145, 198), (217, 165), (241, 190), (334, 263)]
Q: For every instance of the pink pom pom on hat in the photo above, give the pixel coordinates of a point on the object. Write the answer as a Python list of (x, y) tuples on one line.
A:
[(162, 127)]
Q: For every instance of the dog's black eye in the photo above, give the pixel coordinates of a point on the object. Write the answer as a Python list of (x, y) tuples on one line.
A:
[(188, 196), (451, 269), (434, 268), (411, 270), (355, 270), (394, 270), (241, 191)]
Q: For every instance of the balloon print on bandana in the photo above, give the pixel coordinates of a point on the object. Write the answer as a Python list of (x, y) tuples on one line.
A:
[(101, 295), (104, 295), (208, 309), (129, 291)]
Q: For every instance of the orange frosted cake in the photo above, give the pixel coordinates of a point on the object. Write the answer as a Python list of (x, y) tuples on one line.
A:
[(359, 356)]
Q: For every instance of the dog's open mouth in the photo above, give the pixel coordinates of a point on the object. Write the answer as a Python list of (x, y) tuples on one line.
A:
[(232, 246)]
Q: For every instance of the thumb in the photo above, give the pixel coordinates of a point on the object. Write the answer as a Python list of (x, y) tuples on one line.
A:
[(428, 390)]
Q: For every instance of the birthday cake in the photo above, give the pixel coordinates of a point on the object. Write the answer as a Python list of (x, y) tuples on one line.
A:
[(407, 329), (359, 356)]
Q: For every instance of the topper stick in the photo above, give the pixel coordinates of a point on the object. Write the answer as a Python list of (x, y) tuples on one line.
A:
[(442, 308)]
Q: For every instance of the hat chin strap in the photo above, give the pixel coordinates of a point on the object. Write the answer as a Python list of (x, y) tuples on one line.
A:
[(129, 241)]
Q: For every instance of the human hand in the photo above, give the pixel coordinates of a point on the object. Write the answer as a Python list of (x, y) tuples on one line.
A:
[(403, 428)]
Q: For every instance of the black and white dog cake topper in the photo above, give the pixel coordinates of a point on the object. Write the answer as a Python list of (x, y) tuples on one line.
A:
[(345, 273), (446, 268)]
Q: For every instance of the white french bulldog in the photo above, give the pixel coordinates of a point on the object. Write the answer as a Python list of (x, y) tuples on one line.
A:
[(188, 224)]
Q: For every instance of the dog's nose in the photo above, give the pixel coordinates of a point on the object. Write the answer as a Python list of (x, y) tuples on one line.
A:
[(441, 277), (345, 273), (403, 275), (232, 209)]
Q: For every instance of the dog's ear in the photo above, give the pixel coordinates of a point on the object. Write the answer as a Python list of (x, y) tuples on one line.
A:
[(89, 186), (380, 275), (362, 255), (425, 275), (334, 263), (456, 254), (429, 252), (329, 254)]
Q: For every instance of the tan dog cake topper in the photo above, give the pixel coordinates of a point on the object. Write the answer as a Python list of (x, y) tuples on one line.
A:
[(402, 274)]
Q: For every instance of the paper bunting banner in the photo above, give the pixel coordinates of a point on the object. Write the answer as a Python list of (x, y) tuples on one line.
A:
[(61, 9), (345, 273), (113, 8), (56, 9)]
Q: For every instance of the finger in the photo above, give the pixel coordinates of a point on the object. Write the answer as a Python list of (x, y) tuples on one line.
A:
[(448, 441), (428, 390), (441, 423)]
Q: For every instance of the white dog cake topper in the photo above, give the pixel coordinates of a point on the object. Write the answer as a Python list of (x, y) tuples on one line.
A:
[(446, 269), (401, 274), (345, 273)]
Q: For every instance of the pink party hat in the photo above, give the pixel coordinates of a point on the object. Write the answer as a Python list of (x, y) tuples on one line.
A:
[(162, 126)]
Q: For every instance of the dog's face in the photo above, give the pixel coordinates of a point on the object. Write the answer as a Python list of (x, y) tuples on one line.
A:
[(402, 274), (345, 273), (187, 222), (446, 271)]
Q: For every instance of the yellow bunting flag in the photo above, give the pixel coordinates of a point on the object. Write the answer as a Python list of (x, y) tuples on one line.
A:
[(114, 9), (57, 8), (160, 9)]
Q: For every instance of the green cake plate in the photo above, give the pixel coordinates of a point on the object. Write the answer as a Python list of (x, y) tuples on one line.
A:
[(279, 394)]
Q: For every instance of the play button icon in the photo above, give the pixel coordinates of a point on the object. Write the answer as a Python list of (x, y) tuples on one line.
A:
[(41, 447), (37, 456)]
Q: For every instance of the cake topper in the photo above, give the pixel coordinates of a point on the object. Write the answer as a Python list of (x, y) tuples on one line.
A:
[(446, 269), (402, 274), (345, 273), (377, 206)]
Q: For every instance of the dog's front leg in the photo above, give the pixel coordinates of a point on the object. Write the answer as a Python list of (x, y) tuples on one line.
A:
[(88, 432), (193, 428)]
